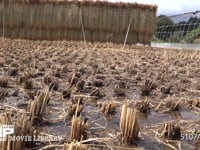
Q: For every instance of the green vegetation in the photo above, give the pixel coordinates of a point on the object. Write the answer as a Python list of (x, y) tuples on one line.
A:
[(187, 32), (191, 36), (163, 20)]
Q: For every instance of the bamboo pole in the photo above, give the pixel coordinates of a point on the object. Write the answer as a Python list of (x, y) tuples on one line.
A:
[(127, 34), (3, 19), (82, 27)]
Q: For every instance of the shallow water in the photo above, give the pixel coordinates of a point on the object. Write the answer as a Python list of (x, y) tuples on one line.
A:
[(177, 45)]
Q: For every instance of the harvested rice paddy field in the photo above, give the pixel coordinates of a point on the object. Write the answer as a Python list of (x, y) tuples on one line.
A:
[(81, 92)]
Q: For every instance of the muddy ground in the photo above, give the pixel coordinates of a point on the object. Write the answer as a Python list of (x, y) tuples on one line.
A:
[(103, 72)]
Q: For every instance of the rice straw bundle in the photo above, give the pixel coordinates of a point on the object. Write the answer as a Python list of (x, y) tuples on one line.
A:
[(79, 129), (74, 146), (56, 20), (129, 125), (38, 107)]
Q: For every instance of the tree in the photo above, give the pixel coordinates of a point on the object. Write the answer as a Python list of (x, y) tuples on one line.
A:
[(164, 20), (167, 23)]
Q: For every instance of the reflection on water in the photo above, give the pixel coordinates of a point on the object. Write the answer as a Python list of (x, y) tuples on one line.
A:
[(176, 45)]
